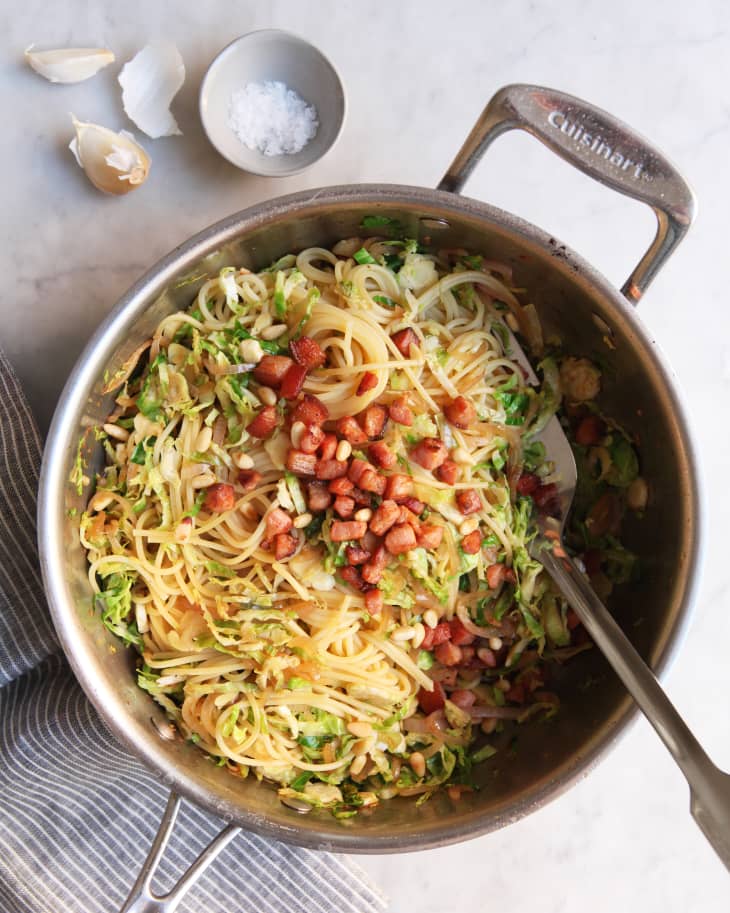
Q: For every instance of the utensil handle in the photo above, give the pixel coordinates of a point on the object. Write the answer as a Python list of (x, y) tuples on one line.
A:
[(600, 146), (141, 898), (709, 786)]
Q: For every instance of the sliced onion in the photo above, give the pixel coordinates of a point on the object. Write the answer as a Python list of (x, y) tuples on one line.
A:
[(445, 674), (416, 724), (447, 435), (220, 427), (463, 616), (170, 464), (502, 269), (177, 354), (179, 391), (506, 629), (564, 653), (434, 748), (164, 680), (130, 363), (218, 370), (457, 741), (194, 469), (496, 713), (436, 722), (414, 790), (530, 326), (424, 598), (347, 247)]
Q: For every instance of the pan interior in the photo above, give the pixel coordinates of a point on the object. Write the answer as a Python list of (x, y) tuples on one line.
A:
[(536, 761)]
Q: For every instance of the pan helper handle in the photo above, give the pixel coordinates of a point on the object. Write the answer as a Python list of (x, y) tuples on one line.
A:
[(599, 145), (142, 898)]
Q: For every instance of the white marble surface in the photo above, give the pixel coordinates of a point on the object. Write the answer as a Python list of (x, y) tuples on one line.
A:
[(417, 75)]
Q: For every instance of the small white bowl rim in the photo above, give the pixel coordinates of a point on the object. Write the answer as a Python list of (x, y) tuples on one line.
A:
[(203, 91)]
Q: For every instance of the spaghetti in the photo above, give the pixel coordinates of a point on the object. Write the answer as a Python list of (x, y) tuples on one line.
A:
[(313, 521)]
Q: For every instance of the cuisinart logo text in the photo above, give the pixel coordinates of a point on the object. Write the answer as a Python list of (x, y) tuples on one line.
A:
[(560, 121)]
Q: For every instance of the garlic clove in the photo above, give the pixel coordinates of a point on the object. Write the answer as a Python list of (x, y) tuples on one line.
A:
[(67, 65), (113, 162), (150, 81)]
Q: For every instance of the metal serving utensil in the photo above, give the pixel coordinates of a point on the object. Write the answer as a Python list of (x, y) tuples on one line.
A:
[(709, 786)]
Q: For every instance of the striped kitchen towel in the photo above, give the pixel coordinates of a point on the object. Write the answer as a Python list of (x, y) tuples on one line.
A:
[(77, 813)]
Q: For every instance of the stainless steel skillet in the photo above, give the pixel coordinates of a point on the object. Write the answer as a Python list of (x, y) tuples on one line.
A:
[(572, 298)]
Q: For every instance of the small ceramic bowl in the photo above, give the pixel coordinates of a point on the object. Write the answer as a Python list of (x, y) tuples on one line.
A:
[(272, 55)]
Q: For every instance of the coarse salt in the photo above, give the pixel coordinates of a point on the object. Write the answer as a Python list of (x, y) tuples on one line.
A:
[(272, 118)]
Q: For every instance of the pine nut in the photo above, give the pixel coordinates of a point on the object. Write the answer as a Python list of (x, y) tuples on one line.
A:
[(430, 618), (419, 632), (364, 515), (418, 764), (251, 351), (302, 520), (358, 764), (401, 635), (101, 500), (140, 616), (204, 480), (242, 460), (322, 581), (360, 729), (485, 655), (274, 331), (637, 494), (267, 396), (119, 434), (495, 643), (503, 685), (488, 726), (297, 430), (344, 451), (459, 455), (203, 440), (468, 526), (511, 322)]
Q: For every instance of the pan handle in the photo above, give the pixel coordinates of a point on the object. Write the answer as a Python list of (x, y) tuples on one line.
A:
[(141, 898), (599, 145)]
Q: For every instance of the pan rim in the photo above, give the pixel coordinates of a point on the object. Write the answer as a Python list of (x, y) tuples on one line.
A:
[(63, 433)]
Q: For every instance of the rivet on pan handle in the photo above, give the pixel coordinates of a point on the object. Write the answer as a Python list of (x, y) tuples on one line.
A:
[(141, 898), (599, 145)]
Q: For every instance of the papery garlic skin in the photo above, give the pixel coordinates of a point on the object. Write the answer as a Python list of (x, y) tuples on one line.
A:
[(113, 162), (150, 81), (68, 65)]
